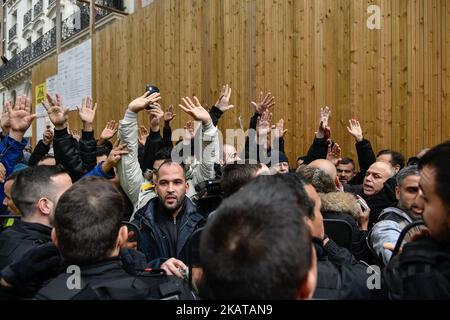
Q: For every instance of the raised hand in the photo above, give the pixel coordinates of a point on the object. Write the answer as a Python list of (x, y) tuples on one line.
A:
[(144, 101), (223, 104), (142, 135), (189, 131), (355, 129), (20, 117), (114, 156), (110, 130), (57, 114), (263, 123), (278, 129), (334, 154), (196, 110), (169, 115), (325, 115), (48, 136), (4, 121), (263, 103), (155, 116), (76, 134), (87, 111), (324, 131)]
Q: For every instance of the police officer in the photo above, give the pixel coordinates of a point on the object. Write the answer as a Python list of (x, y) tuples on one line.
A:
[(35, 193), (89, 235)]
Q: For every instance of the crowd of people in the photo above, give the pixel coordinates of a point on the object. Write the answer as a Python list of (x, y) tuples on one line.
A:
[(151, 217)]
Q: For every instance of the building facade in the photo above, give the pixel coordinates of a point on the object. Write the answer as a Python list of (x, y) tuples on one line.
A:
[(28, 35)]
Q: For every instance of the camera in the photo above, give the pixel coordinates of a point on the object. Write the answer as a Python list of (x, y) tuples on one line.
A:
[(208, 197)]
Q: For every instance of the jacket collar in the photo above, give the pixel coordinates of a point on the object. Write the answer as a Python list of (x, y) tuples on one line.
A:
[(102, 267), (37, 230), (399, 212), (189, 212)]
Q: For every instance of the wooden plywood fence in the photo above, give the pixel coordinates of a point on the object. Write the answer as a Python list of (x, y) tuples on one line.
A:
[(308, 53)]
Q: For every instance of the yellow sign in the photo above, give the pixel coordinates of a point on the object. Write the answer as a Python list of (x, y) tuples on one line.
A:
[(40, 93)]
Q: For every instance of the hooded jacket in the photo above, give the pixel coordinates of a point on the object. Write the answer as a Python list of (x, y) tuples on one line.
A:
[(343, 206)]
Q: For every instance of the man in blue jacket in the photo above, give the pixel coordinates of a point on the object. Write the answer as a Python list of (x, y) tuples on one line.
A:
[(11, 147), (167, 221)]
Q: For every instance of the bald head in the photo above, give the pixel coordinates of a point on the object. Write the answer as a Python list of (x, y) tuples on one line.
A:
[(326, 166), (376, 176), (230, 154)]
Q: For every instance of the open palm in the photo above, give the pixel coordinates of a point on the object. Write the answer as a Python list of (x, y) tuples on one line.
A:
[(20, 117), (87, 111)]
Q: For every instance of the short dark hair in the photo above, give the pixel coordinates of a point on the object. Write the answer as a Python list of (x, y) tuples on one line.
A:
[(87, 220), (397, 157), (33, 183), (168, 162), (235, 176), (163, 154), (257, 247), (438, 158), (12, 176), (346, 160)]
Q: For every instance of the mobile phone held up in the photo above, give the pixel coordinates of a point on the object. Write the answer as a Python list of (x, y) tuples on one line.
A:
[(362, 203), (151, 89)]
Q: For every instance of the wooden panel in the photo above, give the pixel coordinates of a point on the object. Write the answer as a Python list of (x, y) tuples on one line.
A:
[(308, 53)]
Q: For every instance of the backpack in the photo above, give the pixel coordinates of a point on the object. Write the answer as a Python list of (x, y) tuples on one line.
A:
[(421, 271)]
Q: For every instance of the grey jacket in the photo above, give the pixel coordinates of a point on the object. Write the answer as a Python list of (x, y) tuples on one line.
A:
[(136, 187), (388, 230)]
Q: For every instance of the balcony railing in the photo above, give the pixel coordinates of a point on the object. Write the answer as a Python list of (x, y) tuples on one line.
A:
[(71, 26), (38, 8), (50, 2), (27, 17), (12, 32), (116, 4)]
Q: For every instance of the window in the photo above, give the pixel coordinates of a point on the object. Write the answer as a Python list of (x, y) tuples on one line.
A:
[(39, 33)]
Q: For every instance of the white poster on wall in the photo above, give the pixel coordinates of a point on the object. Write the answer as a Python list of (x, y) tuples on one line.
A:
[(51, 85), (74, 79)]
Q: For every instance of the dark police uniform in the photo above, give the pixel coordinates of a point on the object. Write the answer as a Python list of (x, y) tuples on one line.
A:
[(107, 280), (20, 238)]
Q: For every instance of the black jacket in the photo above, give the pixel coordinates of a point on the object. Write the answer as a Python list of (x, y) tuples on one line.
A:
[(420, 272), (20, 238), (39, 152), (382, 200), (339, 275), (107, 280), (359, 247), (153, 144), (366, 157), (317, 150), (154, 243), (77, 158)]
